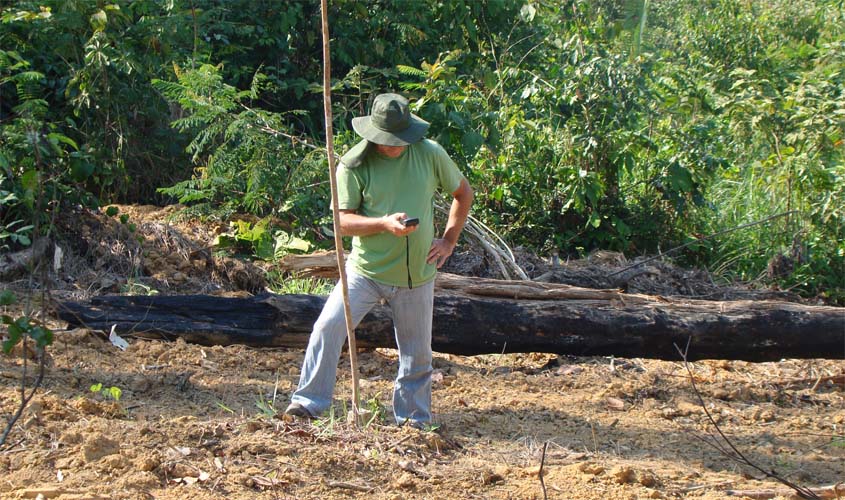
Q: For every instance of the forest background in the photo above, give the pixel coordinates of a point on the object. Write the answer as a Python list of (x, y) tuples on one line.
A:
[(633, 126)]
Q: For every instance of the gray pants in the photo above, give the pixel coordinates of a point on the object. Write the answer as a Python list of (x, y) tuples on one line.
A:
[(412, 312)]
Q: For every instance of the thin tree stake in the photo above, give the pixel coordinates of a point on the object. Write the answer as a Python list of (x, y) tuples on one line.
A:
[(338, 241)]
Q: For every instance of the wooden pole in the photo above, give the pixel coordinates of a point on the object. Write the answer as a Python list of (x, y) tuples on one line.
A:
[(338, 241)]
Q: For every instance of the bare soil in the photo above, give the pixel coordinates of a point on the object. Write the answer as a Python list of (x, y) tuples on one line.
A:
[(204, 422)]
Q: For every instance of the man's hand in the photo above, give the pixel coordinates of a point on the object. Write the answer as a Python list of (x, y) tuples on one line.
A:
[(441, 249), (393, 224)]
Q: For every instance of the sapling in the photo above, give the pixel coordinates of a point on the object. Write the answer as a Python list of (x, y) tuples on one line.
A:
[(107, 392), (21, 330)]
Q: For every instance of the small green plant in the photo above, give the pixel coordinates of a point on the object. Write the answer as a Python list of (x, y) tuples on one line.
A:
[(376, 410), (289, 285), (268, 409), (124, 218), (259, 240), (133, 287), (430, 427), (114, 393), (333, 417)]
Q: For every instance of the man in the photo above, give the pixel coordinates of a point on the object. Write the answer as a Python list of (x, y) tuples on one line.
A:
[(384, 182)]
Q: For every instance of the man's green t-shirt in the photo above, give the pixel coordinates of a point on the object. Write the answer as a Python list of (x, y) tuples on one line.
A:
[(381, 186)]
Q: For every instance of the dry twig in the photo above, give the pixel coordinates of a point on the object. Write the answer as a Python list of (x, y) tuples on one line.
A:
[(726, 446), (826, 492), (540, 472), (702, 487), (815, 381), (350, 486)]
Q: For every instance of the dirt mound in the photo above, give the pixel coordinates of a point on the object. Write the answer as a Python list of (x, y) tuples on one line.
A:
[(603, 269), (147, 250), (144, 250)]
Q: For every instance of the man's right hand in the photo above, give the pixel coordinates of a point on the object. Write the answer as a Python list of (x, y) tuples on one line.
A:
[(393, 224)]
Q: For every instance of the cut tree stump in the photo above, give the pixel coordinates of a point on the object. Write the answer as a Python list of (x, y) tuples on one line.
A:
[(482, 316)]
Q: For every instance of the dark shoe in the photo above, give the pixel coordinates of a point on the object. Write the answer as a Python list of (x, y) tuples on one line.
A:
[(299, 411)]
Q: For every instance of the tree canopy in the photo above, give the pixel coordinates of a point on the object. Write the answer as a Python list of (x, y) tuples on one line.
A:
[(628, 125)]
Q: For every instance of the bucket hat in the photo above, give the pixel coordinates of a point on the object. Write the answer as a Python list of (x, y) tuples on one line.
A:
[(390, 122)]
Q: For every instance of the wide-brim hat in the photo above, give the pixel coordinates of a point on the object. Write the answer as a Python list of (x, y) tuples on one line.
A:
[(390, 122)]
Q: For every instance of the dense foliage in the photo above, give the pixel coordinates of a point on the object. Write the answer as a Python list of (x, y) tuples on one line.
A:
[(629, 125)]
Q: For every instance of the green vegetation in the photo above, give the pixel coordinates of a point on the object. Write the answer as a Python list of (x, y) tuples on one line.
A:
[(297, 285), (22, 328), (626, 125), (114, 393)]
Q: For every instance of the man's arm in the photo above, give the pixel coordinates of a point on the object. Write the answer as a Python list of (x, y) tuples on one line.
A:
[(442, 248), (353, 224)]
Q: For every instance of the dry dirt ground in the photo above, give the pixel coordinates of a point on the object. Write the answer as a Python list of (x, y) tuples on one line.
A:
[(203, 422)]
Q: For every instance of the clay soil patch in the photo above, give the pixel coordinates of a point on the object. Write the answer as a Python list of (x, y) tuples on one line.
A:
[(203, 422)]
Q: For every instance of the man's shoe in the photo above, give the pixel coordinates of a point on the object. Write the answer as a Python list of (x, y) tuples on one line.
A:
[(299, 411)]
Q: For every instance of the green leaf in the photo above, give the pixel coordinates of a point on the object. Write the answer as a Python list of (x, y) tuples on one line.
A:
[(472, 142), (264, 249), (680, 178), (99, 20), (15, 334), (112, 211), (29, 180), (115, 393), (62, 138), (623, 229), (9, 344), (42, 336), (7, 297), (285, 243), (224, 241), (96, 387), (457, 119), (80, 170), (7, 197)]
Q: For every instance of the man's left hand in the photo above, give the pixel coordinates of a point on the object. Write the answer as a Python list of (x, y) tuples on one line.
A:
[(441, 249)]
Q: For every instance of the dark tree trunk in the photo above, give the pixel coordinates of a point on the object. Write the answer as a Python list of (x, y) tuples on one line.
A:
[(469, 319)]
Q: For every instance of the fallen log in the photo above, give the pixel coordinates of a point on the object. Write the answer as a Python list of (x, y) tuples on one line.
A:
[(474, 316)]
